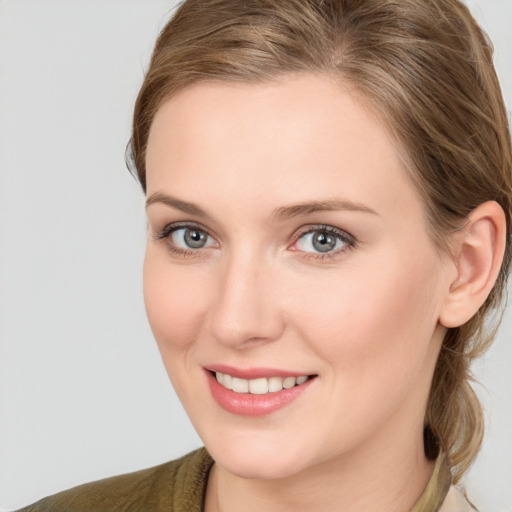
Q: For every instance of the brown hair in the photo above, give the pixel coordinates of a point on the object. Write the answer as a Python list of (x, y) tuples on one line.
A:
[(426, 67)]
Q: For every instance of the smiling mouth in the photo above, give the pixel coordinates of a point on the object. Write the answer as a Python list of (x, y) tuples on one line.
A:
[(260, 386)]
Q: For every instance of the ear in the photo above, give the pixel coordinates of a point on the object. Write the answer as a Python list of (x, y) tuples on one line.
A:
[(478, 260)]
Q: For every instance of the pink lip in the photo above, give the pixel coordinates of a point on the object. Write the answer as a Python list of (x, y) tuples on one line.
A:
[(252, 373), (246, 404)]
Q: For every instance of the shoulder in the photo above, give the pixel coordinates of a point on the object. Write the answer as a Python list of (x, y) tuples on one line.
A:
[(456, 501), (167, 487)]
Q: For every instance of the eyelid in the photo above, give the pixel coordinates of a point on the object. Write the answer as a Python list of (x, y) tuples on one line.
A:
[(346, 237), (304, 230), (164, 236), (170, 228)]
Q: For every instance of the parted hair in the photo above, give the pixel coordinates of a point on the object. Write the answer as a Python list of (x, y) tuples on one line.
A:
[(426, 68)]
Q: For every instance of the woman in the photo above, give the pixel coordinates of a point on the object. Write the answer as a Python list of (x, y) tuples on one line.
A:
[(328, 199)]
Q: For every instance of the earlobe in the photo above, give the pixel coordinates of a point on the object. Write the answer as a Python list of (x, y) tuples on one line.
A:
[(480, 253)]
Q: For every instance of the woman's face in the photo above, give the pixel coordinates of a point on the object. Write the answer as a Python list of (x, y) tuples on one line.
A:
[(286, 240)]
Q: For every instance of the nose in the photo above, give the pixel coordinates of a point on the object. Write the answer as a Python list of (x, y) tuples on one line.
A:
[(246, 309)]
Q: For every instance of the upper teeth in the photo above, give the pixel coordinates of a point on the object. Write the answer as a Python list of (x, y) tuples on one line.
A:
[(258, 386)]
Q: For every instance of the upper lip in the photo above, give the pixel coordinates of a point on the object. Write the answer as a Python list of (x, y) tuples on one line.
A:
[(253, 373)]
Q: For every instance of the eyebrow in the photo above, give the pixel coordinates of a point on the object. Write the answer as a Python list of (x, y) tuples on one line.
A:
[(286, 212), (279, 214), (178, 204)]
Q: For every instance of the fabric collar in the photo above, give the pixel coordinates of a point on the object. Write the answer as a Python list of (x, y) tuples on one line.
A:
[(437, 488)]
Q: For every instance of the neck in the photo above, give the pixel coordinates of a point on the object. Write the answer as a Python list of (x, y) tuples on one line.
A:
[(391, 479)]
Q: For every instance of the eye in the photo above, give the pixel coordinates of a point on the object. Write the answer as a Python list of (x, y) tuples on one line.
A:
[(190, 238), (185, 239), (324, 241)]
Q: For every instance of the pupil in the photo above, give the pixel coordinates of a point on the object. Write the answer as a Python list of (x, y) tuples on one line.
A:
[(195, 238), (324, 242)]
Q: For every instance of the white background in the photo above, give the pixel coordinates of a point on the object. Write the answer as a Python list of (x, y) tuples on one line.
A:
[(83, 394)]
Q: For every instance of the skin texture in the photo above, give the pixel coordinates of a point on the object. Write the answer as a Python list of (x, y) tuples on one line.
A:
[(366, 321)]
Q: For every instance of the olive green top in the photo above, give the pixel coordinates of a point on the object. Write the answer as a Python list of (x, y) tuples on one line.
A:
[(177, 486), (180, 486)]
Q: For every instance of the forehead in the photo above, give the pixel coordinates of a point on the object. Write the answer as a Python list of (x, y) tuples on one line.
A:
[(300, 138)]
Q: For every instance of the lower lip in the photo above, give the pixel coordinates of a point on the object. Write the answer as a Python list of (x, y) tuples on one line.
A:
[(247, 404)]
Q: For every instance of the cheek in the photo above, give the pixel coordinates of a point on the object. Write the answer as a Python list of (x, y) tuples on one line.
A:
[(370, 312), (173, 298)]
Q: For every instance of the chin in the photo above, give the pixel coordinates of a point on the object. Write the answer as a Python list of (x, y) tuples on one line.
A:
[(256, 458), (258, 467)]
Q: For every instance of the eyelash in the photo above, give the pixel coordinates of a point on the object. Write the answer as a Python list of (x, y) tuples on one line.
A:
[(345, 237)]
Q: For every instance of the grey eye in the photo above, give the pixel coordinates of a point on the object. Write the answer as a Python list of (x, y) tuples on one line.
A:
[(190, 238), (323, 242), (320, 241)]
